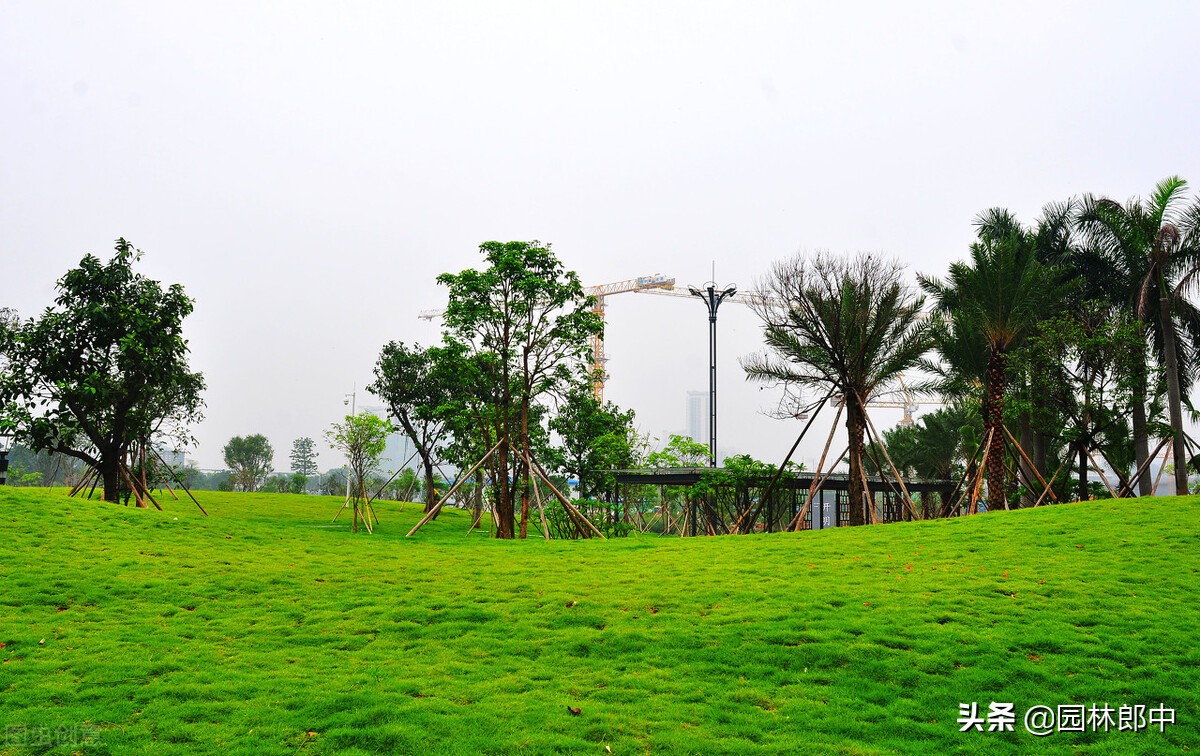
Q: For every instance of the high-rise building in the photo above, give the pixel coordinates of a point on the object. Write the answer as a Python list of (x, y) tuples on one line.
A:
[(697, 416)]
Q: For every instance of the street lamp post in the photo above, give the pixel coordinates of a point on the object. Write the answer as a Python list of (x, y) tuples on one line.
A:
[(712, 298), (352, 400)]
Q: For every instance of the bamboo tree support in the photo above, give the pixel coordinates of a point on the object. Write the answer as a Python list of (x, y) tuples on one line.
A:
[(399, 470), (868, 497), (899, 478), (179, 481), (813, 490), (1023, 478), (775, 478), (458, 484), (987, 444), (537, 496), (1122, 483), (1168, 453), (1100, 473), (83, 481), (132, 481), (795, 523), (949, 504), (563, 500), (1028, 462), (894, 490), (1128, 487), (1053, 477)]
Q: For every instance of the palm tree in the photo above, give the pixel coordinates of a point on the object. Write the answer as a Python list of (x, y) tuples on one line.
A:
[(994, 303), (1153, 249), (846, 326)]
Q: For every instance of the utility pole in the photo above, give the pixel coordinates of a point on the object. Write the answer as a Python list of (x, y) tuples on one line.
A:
[(712, 298)]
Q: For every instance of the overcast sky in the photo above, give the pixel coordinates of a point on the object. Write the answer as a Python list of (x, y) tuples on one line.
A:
[(305, 170)]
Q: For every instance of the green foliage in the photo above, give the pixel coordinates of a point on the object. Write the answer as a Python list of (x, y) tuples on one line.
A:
[(1152, 248), (422, 388), (595, 439), (740, 472), (298, 483), (103, 369), (680, 451), (304, 456), (362, 438), (52, 469), (250, 460), (937, 445)]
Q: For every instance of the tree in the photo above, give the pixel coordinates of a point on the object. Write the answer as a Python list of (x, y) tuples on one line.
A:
[(250, 460), (845, 326), (304, 457), (594, 437), (1154, 246), (530, 315), (680, 451), (993, 304), (417, 384), (103, 370), (363, 438), (1081, 362)]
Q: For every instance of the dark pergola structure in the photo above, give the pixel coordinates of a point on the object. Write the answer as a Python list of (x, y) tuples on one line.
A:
[(741, 508)]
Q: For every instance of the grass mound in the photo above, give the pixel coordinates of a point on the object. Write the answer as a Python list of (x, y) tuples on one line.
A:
[(265, 630)]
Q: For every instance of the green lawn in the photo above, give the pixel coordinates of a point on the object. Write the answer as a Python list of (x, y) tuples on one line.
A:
[(263, 630)]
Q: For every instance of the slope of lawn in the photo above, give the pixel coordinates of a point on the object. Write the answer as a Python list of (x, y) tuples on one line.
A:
[(265, 630)]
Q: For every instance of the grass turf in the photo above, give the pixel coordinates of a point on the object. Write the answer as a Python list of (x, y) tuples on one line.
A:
[(263, 630)]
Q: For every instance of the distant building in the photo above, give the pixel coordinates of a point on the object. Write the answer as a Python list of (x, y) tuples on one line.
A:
[(399, 448), (697, 416)]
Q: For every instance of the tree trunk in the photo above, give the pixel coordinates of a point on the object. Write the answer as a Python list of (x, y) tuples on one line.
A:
[(1084, 493), (525, 460), (993, 420), (1141, 435), (1174, 394), (1028, 440), (431, 494), (504, 502), (110, 472), (856, 430), (478, 495)]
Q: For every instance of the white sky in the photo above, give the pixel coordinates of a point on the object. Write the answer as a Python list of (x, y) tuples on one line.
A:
[(305, 170)]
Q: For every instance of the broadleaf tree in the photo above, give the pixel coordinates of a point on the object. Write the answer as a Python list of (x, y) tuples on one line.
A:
[(103, 370), (250, 460), (363, 438), (417, 384), (531, 314)]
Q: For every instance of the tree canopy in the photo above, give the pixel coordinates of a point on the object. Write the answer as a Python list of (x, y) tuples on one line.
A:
[(250, 460), (527, 317), (102, 370)]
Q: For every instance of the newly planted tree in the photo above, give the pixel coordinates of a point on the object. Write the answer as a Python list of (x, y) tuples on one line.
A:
[(993, 304), (847, 326), (363, 438), (103, 370), (529, 315)]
